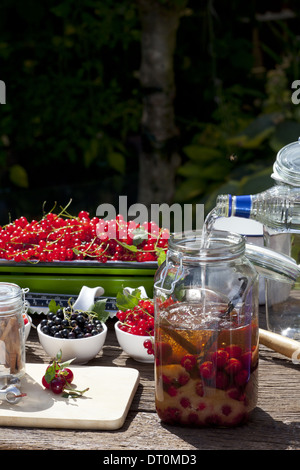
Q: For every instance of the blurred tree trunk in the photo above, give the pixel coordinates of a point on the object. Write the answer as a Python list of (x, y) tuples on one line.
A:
[(158, 156)]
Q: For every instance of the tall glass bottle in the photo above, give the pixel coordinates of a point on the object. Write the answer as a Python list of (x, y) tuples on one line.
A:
[(278, 209)]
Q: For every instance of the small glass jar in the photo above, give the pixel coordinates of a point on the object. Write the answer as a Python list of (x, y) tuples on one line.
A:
[(12, 331), (206, 331)]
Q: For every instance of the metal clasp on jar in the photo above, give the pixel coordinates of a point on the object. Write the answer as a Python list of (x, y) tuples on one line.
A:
[(178, 275)]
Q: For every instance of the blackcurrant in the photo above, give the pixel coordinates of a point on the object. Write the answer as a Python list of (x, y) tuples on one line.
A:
[(80, 319), (50, 315), (60, 313), (46, 330)]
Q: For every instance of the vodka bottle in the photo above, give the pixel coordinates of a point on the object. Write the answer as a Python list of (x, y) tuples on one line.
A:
[(277, 208)]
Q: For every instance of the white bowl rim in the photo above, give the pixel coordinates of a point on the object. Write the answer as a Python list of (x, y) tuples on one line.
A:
[(129, 334), (72, 339)]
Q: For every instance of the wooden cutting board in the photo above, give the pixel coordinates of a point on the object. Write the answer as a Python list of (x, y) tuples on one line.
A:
[(104, 406)]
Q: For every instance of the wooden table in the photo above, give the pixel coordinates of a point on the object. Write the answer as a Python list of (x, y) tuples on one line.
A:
[(275, 424)]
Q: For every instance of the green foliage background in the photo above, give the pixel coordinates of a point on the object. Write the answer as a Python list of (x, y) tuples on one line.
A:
[(70, 128)]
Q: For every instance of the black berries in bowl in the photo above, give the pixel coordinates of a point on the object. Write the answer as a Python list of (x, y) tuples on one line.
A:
[(70, 323)]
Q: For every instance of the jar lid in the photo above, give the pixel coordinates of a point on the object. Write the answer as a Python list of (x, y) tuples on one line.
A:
[(287, 165), (272, 265), (9, 295), (9, 291)]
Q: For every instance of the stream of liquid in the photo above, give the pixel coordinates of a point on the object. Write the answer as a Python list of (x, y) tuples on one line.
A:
[(204, 245), (207, 228)]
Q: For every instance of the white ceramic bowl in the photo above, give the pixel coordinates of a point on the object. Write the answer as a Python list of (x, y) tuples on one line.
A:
[(81, 350), (133, 345), (28, 327)]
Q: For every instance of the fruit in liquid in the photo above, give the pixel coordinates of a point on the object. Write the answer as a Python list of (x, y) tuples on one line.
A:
[(206, 374)]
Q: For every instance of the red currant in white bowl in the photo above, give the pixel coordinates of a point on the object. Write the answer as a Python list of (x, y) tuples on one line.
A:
[(135, 330)]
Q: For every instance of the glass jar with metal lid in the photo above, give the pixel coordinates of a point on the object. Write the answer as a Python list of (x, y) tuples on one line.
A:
[(12, 331)]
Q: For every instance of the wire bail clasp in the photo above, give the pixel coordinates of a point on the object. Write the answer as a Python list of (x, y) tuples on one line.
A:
[(178, 275)]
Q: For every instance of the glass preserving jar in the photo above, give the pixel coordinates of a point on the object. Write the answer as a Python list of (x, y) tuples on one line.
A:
[(12, 331), (283, 301), (206, 331)]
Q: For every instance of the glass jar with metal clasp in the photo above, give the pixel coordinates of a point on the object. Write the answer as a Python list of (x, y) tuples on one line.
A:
[(206, 327)]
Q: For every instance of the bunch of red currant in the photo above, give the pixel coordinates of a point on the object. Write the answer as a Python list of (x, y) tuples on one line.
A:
[(58, 378), (139, 320), (62, 237)]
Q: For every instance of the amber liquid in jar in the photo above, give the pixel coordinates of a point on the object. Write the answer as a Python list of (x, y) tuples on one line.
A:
[(206, 364)]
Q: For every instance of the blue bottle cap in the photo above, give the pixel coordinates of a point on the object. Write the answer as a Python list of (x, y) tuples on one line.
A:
[(243, 206)]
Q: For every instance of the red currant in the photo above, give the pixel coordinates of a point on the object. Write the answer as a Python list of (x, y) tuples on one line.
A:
[(207, 370), (45, 383), (55, 238), (67, 374), (233, 366), (57, 385)]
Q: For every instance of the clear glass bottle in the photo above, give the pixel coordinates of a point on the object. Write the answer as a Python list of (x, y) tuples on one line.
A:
[(12, 331), (206, 331), (278, 209)]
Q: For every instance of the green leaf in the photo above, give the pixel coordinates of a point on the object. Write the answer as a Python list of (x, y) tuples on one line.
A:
[(139, 235), (51, 370), (53, 306), (256, 133), (161, 257), (190, 170), (117, 161), (201, 154), (193, 187), (99, 309), (18, 176), (285, 133), (125, 301), (128, 247), (91, 152), (257, 182)]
